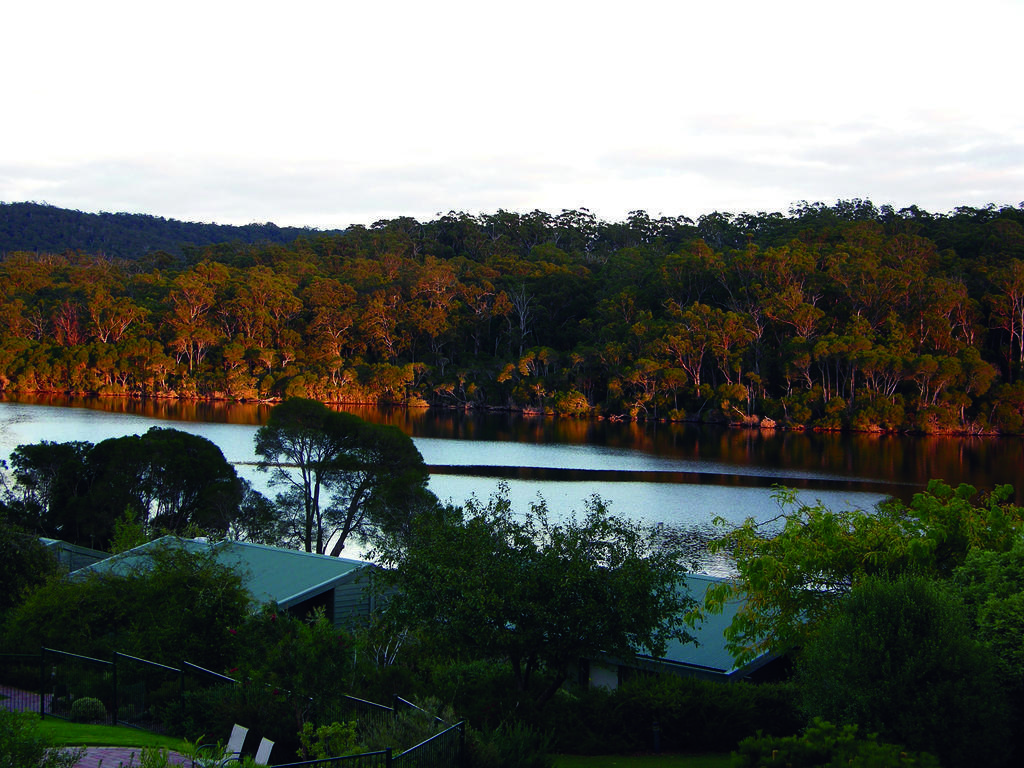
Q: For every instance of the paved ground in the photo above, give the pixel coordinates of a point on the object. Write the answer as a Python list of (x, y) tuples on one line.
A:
[(113, 757)]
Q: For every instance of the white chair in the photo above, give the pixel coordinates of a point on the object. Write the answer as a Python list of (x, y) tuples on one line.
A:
[(235, 741), (263, 753), (232, 751)]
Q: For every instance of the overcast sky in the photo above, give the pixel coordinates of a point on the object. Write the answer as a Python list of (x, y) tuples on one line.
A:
[(326, 114)]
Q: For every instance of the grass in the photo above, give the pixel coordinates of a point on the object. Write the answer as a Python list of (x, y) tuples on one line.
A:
[(66, 733), (70, 734), (708, 760)]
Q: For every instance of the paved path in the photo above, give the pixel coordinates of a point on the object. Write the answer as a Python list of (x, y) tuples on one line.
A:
[(112, 757)]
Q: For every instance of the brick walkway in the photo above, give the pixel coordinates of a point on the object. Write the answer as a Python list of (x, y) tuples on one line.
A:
[(95, 757), (113, 757)]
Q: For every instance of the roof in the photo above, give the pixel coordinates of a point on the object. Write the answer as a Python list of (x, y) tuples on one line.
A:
[(272, 574), (72, 556), (710, 655)]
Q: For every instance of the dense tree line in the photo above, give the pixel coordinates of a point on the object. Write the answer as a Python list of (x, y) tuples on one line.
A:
[(38, 227), (841, 316)]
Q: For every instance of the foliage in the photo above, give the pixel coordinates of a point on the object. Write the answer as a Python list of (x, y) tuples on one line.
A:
[(41, 227), (796, 577), (150, 757), (88, 710), (992, 586), (898, 658), (510, 745), (24, 564), (408, 727), (831, 316), (303, 663), (165, 479), (536, 593), (175, 602), (824, 745), (334, 740), (22, 745), (688, 714), (341, 475)]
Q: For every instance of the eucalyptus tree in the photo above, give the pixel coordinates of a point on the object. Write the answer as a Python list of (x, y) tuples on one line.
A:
[(338, 474)]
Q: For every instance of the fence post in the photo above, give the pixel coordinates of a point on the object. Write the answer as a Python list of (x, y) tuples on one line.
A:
[(42, 683), (116, 699), (463, 757), (387, 757)]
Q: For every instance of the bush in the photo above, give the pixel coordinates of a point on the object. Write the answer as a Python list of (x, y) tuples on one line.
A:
[(514, 745), (205, 714), (690, 715), (823, 745), (334, 740), (22, 745), (407, 728), (899, 659), (88, 710)]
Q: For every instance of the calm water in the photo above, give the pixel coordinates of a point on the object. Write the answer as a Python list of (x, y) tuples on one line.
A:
[(681, 475)]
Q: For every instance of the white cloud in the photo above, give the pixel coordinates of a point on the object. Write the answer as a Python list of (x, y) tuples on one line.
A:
[(326, 114)]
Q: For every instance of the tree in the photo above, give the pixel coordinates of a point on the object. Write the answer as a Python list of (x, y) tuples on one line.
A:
[(177, 603), (537, 593), (797, 577), (340, 474), (898, 658), (171, 480), (24, 563)]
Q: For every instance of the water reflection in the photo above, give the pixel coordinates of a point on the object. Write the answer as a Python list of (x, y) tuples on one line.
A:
[(898, 465)]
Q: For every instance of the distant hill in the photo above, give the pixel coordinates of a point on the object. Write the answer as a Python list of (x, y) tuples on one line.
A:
[(46, 228)]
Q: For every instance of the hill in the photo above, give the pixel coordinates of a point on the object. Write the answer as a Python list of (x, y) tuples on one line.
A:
[(37, 227)]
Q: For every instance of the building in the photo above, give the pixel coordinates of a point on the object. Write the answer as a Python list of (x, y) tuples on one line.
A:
[(72, 556), (297, 581), (709, 659)]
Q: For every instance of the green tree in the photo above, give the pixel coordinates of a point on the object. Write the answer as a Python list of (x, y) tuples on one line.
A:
[(486, 582), (177, 603), (796, 577), (24, 563), (341, 475), (898, 658), (172, 480)]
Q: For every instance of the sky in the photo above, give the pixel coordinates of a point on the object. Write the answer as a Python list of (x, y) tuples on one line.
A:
[(327, 114)]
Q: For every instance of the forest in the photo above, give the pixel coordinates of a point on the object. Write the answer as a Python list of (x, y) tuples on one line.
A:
[(841, 316)]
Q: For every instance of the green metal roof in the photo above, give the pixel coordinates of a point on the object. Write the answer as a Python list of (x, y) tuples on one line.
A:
[(285, 576), (710, 654)]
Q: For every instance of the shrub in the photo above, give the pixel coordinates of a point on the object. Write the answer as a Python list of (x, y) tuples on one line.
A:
[(408, 727), (22, 745), (510, 745), (823, 745), (898, 658), (334, 740), (88, 710), (690, 715)]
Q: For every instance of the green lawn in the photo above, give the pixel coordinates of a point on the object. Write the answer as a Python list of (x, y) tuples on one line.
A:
[(643, 761), (80, 734), (83, 735)]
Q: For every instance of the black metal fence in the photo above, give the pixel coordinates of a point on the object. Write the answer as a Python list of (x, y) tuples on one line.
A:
[(78, 687), (444, 750), (381, 759), (132, 691), (20, 683), (144, 688)]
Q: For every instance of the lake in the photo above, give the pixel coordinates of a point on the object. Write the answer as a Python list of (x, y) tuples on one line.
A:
[(682, 475)]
